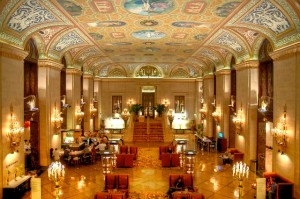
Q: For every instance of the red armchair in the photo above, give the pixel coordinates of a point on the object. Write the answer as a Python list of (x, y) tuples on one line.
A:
[(123, 149), (124, 160), (133, 150), (164, 149), (123, 183), (111, 195), (102, 195), (285, 187), (170, 160), (237, 156), (188, 181)]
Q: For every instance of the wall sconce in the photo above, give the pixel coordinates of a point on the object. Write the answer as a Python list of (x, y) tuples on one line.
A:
[(82, 103), (125, 116), (130, 102), (232, 103), (280, 132), (79, 114), (14, 133), (166, 102), (63, 103), (203, 111), (57, 119), (217, 115), (93, 110), (265, 101), (238, 120)]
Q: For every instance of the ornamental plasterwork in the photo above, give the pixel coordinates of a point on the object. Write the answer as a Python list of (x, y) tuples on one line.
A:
[(227, 40), (179, 73), (249, 35), (48, 33), (74, 51), (223, 52), (268, 15), (206, 53), (148, 71), (87, 53), (29, 14), (192, 71), (10, 39), (69, 39), (116, 72)]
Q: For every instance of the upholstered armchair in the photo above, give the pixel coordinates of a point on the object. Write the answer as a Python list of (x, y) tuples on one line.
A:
[(123, 183), (125, 160), (123, 149), (133, 150), (110, 182)]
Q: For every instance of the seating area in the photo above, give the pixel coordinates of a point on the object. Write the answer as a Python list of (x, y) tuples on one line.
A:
[(124, 160), (117, 183), (110, 195), (285, 188), (236, 155), (170, 160), (188, 181), (164, 149)]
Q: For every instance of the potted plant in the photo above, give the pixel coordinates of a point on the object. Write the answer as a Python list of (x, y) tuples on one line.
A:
[(135, 108), (160, 109)]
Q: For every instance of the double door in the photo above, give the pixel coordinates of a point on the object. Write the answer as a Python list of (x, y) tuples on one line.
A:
[(148, 104)]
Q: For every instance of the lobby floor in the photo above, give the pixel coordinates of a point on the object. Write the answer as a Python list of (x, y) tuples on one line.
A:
[(211, 177)]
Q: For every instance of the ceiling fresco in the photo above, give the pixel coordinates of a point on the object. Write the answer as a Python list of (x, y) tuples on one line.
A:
[(178, 38)]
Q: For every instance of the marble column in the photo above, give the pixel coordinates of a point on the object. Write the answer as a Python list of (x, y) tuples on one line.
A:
[(49, 99), (11, 101), (97, 96), (223, 99), (247, 102), (287, 92), (88, 94), (208, 91), (199, 98), (73, 93)]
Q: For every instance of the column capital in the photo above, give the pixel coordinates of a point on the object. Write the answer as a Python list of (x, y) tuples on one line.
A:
[(87, 76), (12, 52), (208, 76), (73, 71), (50, 64), (226, 71), (285, 52), (199, 79), (247, 65), (98, 79)]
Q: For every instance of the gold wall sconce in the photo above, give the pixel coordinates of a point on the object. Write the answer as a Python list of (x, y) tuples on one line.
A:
[(82, 102), (14, 133), (57, 120), (280, 132), (232, 103), (93, 110), (217, 115), (203, 111), (79, 114), (166, 103), (238, 120), (130, 102), (265, 107)]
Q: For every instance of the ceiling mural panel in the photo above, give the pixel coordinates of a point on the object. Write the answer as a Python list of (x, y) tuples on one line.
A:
[(185, 37), (29, 14)]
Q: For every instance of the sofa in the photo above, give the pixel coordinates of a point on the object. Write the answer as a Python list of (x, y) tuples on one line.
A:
[(285, 187), (119, 182), (170, 160), (237, 155), (164, 149), (188, 181), (124, 160)]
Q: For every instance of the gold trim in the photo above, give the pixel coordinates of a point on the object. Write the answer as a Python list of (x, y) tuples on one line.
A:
[(12, 52), (247, 65), (48, 63), (223, 72), (285, 52), (208, 76), (87, 76), (73, 71)]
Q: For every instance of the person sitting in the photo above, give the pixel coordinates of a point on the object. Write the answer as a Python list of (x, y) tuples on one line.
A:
[(177, 187), (169, 150)]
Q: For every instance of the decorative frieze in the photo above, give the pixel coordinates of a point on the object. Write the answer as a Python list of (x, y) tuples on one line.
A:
[(73, 71), (223, 72)]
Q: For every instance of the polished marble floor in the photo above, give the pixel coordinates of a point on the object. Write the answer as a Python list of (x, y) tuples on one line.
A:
[(211, 177)]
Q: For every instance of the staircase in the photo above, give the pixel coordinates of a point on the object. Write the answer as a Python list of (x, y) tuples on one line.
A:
[(151, 130)]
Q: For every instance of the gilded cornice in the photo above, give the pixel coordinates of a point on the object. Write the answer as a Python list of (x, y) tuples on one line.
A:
[(73, 71), (286, 52), (208, 76), (247, 65), (223, 72), (199, 79), (88, 76), (97, 79), (12, 52), (48, 63)]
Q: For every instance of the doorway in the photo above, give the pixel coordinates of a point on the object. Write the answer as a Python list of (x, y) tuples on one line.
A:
[(148, 95)]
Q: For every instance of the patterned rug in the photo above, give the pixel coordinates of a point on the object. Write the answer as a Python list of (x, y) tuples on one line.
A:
[(147, 195), (148, 158)]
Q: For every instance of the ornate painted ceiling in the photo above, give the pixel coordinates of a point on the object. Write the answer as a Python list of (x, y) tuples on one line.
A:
[(158, 38)]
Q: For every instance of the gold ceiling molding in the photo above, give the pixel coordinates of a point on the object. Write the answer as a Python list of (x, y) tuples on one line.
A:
[(88, 76), (12, 52), (48, 63), (247, 65), (286, 52), (73, 71), (208, 76), (224, 71)]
